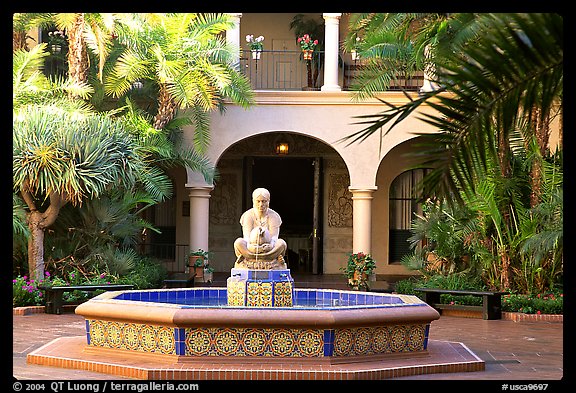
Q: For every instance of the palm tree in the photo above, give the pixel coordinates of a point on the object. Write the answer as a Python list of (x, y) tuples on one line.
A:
[(64, 153), (489, 90), (86, 31), (191, 66), (395, 45)]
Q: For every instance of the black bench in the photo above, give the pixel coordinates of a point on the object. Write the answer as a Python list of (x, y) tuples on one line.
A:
[(54, 294), (491, 301), (179, 283)]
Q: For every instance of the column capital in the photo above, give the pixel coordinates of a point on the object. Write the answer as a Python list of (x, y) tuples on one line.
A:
[(335, 15), (359, 192), (199, 191)]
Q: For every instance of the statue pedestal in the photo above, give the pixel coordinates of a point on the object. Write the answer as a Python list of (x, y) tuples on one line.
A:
[(260, 288)]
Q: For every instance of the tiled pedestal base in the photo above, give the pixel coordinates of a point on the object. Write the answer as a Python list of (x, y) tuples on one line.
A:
[(69, 352)]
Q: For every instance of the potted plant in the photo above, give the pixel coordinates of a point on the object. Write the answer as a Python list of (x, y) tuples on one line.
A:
[(196, 261), (308, 45), (255, 44), (304, 25), (56, 41), (358, 268)]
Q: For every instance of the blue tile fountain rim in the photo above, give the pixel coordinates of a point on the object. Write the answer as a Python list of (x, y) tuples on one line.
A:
[(305, 298)]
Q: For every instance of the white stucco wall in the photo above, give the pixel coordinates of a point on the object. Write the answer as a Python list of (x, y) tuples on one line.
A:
[(326, 116)]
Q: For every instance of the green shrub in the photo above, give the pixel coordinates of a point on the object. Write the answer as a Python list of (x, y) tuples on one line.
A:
[(549, 303), (147, 273)]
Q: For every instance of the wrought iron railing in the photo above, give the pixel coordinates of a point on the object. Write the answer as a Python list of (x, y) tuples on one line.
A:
[(287, 70)]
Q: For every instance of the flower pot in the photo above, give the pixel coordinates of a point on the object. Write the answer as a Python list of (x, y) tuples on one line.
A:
[(360, 279), (193, 261), (307, 54), (256, 54), (56, 48), (199, 270)]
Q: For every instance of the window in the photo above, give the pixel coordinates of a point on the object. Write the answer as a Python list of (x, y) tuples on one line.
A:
[(403, 204)]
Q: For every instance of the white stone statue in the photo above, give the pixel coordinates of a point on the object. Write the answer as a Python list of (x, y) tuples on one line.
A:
[(260, 247)]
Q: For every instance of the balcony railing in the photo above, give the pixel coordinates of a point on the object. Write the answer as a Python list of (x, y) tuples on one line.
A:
[(287, 70)]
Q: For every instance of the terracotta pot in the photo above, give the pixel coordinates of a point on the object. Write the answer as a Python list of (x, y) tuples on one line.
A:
[(307, 54), (198, 270)]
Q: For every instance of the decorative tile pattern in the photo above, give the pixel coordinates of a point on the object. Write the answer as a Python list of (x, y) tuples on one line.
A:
[(283, 294), (254, 342), (281, 342), (131, 336), (236, 293), (379, 340), (259, 294)]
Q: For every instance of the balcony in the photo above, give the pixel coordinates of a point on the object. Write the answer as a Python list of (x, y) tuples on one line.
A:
[(287, 71)]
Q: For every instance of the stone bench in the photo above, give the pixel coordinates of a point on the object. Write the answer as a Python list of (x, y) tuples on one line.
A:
[(54, 294), (491, 301)]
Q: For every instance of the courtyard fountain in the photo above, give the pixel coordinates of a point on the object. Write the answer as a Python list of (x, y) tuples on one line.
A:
[(260, 326)]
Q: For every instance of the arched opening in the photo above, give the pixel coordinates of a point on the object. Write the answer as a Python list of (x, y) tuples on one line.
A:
[(297, 184)]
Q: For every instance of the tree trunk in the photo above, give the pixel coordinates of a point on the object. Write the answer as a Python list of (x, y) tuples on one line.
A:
[(78, 62), (505, 274), (19, 40), (166, 108), (37, 223), (506, 172), (35, 246), (540, 125)]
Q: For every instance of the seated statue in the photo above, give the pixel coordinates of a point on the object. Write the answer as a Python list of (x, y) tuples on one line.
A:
[(260, 247)]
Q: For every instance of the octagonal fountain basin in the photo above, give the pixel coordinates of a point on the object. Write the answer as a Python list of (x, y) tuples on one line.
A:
[(322, 325)]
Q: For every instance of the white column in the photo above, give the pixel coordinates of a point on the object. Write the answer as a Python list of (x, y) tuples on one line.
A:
[(233, 36), (199, 216), (362, 219), (331, 48)]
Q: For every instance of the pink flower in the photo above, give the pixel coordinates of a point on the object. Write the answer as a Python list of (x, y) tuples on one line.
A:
[(315, 42), (538, 312)]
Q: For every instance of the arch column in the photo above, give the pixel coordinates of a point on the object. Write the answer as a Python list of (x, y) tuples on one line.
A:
[(331, 43), (362, 218), (199, 216), (233, 37)]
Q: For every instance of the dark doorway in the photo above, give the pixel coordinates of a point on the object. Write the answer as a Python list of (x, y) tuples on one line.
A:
[(290, 181)]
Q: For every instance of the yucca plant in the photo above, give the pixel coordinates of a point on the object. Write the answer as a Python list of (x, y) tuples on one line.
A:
[(61, 157)]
